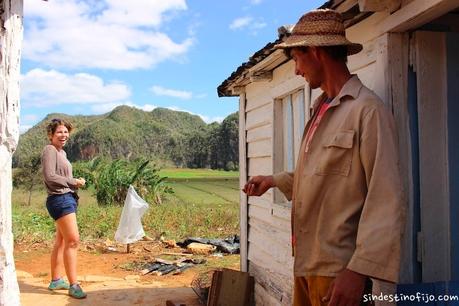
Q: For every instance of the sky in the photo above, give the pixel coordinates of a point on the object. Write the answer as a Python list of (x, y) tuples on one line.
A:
[(85, 57)]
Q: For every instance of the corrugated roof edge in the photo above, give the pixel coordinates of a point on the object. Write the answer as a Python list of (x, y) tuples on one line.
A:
[(263, 53), (253, 60)]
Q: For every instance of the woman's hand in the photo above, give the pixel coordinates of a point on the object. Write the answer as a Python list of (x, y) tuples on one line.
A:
[(80, 182)]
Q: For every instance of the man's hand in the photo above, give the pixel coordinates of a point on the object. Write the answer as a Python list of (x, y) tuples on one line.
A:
[(258, 185), (346, 289)]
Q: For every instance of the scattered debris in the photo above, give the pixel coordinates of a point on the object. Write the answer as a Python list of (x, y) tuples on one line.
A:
[(229, 245), (163, 266), (111, 249), (147, 238), (146, 249), (168, 243), (176, 254), (200, 248)]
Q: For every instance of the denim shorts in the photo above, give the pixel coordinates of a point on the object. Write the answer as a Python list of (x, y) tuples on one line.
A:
[(59, 205)]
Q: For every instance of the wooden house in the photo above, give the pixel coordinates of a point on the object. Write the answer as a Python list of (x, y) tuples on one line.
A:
[(411, 60)]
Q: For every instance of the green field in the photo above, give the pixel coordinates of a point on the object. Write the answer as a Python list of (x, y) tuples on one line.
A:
[(197, 173), (204, 203)]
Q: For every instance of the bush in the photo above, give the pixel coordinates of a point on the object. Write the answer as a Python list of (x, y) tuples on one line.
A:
[(114, 179)]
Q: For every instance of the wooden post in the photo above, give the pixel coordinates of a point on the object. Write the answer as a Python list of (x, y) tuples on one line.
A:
[(243, 172), (10, 52)]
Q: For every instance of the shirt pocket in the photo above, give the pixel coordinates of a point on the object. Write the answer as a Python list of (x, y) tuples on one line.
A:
[(336, 155)]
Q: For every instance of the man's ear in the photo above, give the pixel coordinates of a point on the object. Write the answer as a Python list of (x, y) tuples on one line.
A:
[(315, 51)]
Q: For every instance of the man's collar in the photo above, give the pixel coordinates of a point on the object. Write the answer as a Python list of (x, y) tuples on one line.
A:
[(350, 88)]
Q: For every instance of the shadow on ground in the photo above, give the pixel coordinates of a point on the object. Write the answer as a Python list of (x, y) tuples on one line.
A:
[(35, 293)]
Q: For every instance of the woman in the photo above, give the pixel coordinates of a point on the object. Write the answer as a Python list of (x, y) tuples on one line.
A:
[(62, 206)]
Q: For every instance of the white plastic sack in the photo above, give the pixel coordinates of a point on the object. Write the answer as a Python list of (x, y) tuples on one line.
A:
[(130, 228)]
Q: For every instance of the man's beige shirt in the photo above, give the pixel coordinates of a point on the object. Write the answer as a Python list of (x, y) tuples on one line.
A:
[(348, 206)]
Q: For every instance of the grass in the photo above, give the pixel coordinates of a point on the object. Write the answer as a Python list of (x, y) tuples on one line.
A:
[(179, 173), (202, 206)]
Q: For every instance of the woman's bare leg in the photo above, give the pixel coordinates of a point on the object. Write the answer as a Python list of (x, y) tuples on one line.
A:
[(69, 230), (57, 256)]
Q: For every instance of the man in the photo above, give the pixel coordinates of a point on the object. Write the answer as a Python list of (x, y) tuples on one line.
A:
[(347, 212)]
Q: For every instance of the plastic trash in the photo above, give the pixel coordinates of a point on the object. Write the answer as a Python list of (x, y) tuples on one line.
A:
[(130, 228), (228, 245)]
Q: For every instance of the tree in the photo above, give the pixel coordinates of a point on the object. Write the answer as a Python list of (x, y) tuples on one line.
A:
[(197, 151), (29, 174), (223, 142), (10, 51), (229, 137)]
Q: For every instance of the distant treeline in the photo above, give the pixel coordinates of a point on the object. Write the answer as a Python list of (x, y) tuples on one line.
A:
[(215, 148), (164, 136)]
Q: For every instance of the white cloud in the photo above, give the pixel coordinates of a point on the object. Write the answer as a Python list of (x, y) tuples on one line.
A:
[(256, 2), (206, 119), (24, 128), (148, 107), (50, 87), (249, 23), (107, 107), (30, 117), (181, 94), (240, 23), (111, 34), (258, 25), (201, 96)]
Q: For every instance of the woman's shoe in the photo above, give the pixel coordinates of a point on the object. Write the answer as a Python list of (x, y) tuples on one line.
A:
[(58, 284), (75, 291)]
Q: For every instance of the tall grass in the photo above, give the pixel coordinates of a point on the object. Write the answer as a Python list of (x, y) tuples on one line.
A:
[(201, 209)]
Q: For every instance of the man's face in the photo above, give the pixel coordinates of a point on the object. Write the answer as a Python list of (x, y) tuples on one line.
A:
[(307, 65)]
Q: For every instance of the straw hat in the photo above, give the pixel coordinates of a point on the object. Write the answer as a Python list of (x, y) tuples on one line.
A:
[(319, 28)]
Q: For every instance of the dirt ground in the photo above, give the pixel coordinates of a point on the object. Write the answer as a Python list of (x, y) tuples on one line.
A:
[(106, 273)]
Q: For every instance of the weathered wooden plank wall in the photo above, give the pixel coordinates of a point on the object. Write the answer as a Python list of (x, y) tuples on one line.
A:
[(10, 54)]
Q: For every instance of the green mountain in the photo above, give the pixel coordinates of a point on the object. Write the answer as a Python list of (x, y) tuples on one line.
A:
[(162, 135)]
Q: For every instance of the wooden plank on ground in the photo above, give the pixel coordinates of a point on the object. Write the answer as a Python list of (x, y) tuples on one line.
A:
[(230, 287)]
